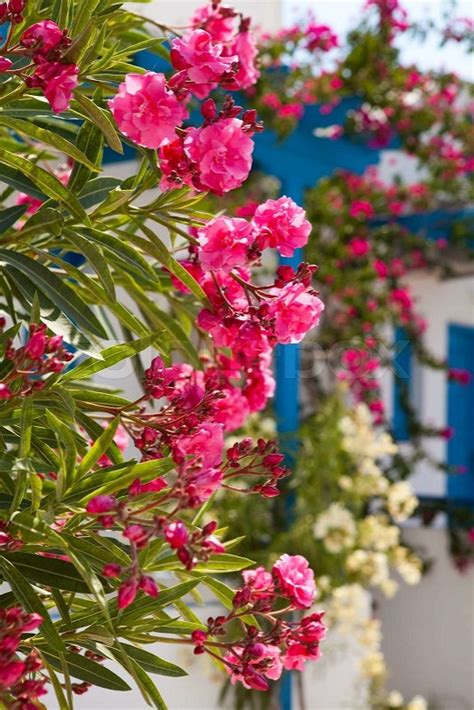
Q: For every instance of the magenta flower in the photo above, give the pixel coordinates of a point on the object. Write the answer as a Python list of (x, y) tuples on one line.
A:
[(223, 153), (245, 47), (224, 243), (296, 310), (43, 36), (57, 81), (146, 110), (101, 504), (295, 580), (283, 225), (202, 60), (127, 593)]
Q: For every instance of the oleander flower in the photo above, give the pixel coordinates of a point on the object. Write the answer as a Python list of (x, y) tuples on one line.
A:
[(336, 528), (42, 37), (146, 110), (245, 49), (296, 311), (283, 225), (295, 580), (57, 81), (401, 501), (224, 243), (202, 60), (222, 152)]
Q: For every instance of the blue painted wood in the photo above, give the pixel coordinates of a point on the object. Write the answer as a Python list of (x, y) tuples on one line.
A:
[(402, 380), (433, 225), (461, 413)]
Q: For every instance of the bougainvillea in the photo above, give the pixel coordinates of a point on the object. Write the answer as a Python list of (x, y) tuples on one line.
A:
[(106, 520)]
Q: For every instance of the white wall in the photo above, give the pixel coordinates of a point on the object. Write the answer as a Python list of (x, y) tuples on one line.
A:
[(428, 630), (177, 13)]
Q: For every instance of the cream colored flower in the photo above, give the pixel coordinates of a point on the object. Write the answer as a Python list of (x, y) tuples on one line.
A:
[(347, 606), (417, 703), (407, 564), (370, 634), (371, 566), (401, 501), (374, 532), (336, 528), (395, 699), (373, 665)]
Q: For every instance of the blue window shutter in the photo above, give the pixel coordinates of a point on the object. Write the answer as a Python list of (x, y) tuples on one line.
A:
[(402, 382), (460, 414)]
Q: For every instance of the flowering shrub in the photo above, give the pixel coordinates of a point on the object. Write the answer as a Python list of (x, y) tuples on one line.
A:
[(106, 524)]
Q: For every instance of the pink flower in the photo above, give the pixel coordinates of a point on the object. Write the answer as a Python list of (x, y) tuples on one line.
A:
[(259, 388), (283, 224), (361, 208), (146, 110), (176, 534), (43, 37), (127, 593), (381, 268), (216, 20), (148, 586), (205, 446), (296, 310), (264, 662), (224, 243), (5, 64), (358, 247), (57, 82), (5, 391), (245, 47), (260, 583), (11, 672), (232, 410), (223, 153), (202, 60), (101, 504), (203, 483), (295, 580)]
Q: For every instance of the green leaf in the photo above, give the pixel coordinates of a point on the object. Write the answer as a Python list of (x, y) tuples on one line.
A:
[(49, 571), (90, 141), (53, 287), (46, 182), (101, 119), (109, 481), (110, 357), (146, 685), (87, 670), (96, 190), (100, 447), (28, 598), (157, 249), (48, 137), (96, 259), (10, 215), (151, 663)]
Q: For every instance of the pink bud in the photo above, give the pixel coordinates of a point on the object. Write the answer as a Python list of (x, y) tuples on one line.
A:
[(36, 346), (176, 534), (111, 570), (208, 109), (101, 504), (213, 544), (199, 637), (5, 64), (137, 534), (32, 622), (127, 593), (5, 392), (11, 673), (149, 586)]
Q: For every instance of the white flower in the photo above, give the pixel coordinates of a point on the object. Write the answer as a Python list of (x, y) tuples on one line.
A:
[(347, 606), (375, 533), (401, 501), (373, 665), (336, 528), (395, 699), (371, 566), (417, 703)]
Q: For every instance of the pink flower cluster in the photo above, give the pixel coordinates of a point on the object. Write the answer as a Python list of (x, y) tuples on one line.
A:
[(148, 109), (42, 354), (261, 655), (20, 687), (46, 44)]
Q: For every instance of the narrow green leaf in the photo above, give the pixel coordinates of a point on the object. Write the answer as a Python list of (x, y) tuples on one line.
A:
[(49, 571), (46, 182), (151, 663), (48, 137), (58, 292), (86, 670), (96, 259), (110, 356), (146, 685), (101, 119), (28, 598), (10, 215), (99, 447)]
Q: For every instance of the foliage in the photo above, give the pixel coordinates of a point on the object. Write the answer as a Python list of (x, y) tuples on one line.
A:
[(91, 279)]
